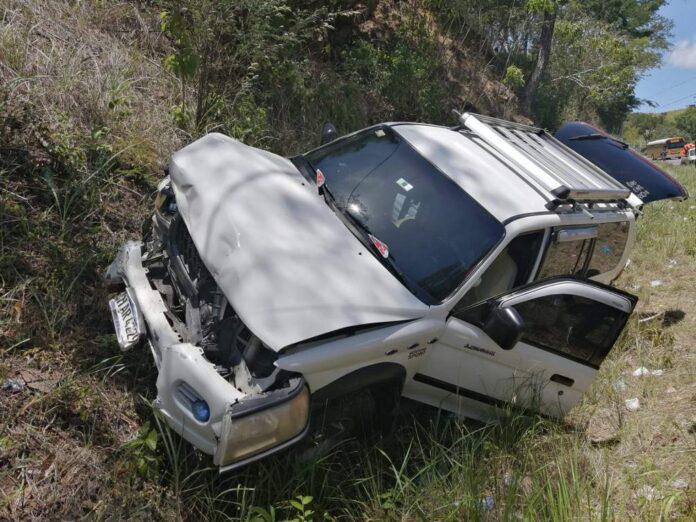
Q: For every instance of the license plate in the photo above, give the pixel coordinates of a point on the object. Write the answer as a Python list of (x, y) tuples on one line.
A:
[(127, 322)]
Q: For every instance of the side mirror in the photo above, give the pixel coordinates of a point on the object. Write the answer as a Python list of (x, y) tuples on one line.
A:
[(328, 133), (504, 326)]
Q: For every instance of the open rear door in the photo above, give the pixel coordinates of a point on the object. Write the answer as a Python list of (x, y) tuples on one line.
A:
[(642, 176)]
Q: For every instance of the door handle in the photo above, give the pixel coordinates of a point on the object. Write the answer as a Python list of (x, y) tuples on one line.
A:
[(562, 379)]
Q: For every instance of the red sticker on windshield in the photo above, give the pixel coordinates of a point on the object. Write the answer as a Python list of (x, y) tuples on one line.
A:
[(379, 245), (320, 178)]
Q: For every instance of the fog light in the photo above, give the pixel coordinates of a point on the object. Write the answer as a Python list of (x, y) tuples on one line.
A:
[(200, 410)]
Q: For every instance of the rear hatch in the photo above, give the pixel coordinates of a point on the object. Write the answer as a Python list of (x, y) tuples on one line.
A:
[(643, 177)]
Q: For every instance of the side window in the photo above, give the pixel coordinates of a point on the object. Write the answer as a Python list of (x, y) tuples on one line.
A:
[(512, 268), (564, 257), (573, 326), (609, 247), (585, 257)]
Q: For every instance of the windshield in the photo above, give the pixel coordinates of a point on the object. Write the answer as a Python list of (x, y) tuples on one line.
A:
[(435, 232)]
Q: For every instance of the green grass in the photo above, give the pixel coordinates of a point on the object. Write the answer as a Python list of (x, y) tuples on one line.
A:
[(81, 145)]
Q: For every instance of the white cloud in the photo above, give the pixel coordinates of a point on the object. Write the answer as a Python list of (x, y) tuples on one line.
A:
[(683, 55)]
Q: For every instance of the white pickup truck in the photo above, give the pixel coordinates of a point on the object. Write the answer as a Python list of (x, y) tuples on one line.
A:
[(467, 268)]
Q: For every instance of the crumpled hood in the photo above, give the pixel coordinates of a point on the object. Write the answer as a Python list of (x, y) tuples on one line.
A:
[(286, 263)]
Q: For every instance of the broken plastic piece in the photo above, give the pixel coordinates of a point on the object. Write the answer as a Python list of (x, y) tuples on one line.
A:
[(487, 503), (680, 484), (648, 493), (12, 385), (640, 372), (620, 385), (632, 404)]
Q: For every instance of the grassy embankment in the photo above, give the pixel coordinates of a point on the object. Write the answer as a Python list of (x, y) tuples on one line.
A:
[(86, 122)]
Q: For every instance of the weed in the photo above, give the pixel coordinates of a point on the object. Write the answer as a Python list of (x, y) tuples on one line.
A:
[(87, 122)]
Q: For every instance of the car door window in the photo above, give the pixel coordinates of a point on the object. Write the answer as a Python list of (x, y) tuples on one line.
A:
[(512, 268), (570, 325), (573, 326)]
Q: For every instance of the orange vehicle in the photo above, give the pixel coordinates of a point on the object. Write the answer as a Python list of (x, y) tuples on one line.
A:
[(664, 149), (688, 154)]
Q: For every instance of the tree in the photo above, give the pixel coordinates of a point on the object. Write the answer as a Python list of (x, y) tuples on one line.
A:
[(550, 11), (578, 58), (686, 122), (596, 62)]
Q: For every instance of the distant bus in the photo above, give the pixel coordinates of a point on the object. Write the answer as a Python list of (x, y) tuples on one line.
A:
[(668, 148)]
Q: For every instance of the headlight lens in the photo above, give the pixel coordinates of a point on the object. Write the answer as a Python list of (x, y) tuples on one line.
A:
[(247, 436)]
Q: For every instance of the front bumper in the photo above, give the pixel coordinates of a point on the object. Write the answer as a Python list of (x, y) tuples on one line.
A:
[(241, 427)]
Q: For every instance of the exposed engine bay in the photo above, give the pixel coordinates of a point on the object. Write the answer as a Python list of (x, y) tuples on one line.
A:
[(197, 309)]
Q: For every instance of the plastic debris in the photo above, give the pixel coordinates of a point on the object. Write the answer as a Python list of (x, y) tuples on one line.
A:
[(12, 385), (640, 372), (655, 282), (619, 386), (671, 263), (487, 503), (651, 317), (647, 492), (632, 404), (680, 484)]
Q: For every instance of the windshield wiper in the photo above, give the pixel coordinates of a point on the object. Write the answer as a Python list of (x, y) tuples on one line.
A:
[(363, 231), (598, 136)]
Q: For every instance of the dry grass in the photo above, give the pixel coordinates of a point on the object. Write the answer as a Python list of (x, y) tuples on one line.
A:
[(85, 67), (85, 123), (84, 126), (85, 447)]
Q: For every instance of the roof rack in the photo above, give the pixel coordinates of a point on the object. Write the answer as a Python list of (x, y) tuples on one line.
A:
[(546, 163)]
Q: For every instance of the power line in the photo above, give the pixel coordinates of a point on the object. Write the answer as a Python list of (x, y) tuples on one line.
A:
[(678, 100), (676, 85)]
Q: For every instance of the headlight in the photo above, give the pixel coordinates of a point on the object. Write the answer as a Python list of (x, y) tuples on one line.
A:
[(246, 435)]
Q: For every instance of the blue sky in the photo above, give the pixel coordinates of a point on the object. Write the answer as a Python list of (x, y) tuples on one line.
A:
[(673, 85)]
